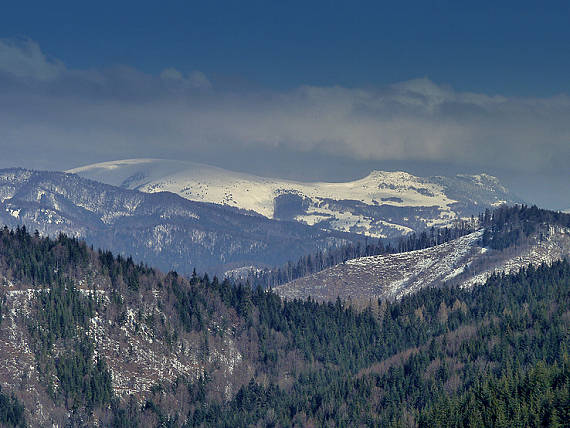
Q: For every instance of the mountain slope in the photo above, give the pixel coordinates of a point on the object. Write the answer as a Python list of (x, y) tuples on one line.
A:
[(463, 261), (382, 204), (89, 340), (162, 229)]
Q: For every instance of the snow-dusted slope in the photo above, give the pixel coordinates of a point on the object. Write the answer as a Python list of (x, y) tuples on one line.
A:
[(462, 261), (382, 204), (162, 229)]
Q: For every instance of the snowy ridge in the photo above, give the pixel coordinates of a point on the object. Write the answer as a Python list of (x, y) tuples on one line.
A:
[(164, 229), (210, 184), (382, 204), (461, 261)]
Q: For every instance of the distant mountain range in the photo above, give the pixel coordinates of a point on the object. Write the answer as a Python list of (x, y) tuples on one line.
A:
[(382, 204), (162, 229)]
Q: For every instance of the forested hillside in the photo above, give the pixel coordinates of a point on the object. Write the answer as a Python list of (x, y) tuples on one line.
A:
[(507, 226), (317, 262), (503, 240), (496, 356), (504, 227), (88, 338)]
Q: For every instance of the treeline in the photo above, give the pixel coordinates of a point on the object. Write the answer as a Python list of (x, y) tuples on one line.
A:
[(441, 357), (432, 237), (39, 260), (507, 226), (44, 260), (504, 227), (321, 260)]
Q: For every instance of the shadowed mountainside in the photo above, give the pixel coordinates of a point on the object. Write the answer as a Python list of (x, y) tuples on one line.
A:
[(163, 229)]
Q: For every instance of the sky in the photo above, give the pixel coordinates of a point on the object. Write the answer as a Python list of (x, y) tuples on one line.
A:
[(301, 90)]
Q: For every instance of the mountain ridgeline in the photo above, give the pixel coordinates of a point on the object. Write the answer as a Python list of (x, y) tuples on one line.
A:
[(227, 221), (163, 229), (502, 227), (93, 339), (382, 204), (508, 226), (505, 239), (313, 263)]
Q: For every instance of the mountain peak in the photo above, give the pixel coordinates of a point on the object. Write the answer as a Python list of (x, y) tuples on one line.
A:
[(382, 204)]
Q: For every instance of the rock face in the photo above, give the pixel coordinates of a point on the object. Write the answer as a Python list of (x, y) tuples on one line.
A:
[(163, 229), (382, 204), (462, 261)]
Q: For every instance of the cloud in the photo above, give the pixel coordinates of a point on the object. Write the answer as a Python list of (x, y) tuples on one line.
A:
[(23, 58), (79, 116), (195, 79)]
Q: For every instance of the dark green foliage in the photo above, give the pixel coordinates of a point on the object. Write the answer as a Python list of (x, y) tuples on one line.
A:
[(11, 411), (319, 261), (61, 310), (507, 226), (62, 318), (125, 417), (325, 333), (121, 270), (189, 304), (61, 315), (40, 260), (533, 398), (440, 353), (439, 357), (81, 381)]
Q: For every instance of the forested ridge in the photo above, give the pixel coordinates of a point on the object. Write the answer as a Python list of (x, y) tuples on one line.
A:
[(312, 263), (493, 356), (507, 226), (504, 227), (437, 358)]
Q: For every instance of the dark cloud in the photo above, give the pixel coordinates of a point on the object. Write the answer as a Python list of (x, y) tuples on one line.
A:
[(55, 117)]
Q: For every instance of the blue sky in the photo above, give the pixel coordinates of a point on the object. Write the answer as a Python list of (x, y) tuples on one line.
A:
[(304, 90), (507, 47)]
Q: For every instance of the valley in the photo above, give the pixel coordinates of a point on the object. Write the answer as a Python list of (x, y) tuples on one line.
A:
[(284, 215)]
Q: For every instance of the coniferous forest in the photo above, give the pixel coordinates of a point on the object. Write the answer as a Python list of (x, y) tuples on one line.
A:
[(321, 260), (496, 355), (503, 227), (284, 214)]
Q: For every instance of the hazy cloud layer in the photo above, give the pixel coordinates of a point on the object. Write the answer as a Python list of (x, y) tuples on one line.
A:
[(68, 117), (24, 58)]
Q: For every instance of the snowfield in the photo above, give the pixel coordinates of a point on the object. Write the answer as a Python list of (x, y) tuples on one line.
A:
[(382, 204)]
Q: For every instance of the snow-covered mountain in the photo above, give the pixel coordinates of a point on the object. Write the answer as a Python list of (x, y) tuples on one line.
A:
[(161, 229), (462, 262), (382, 204)]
